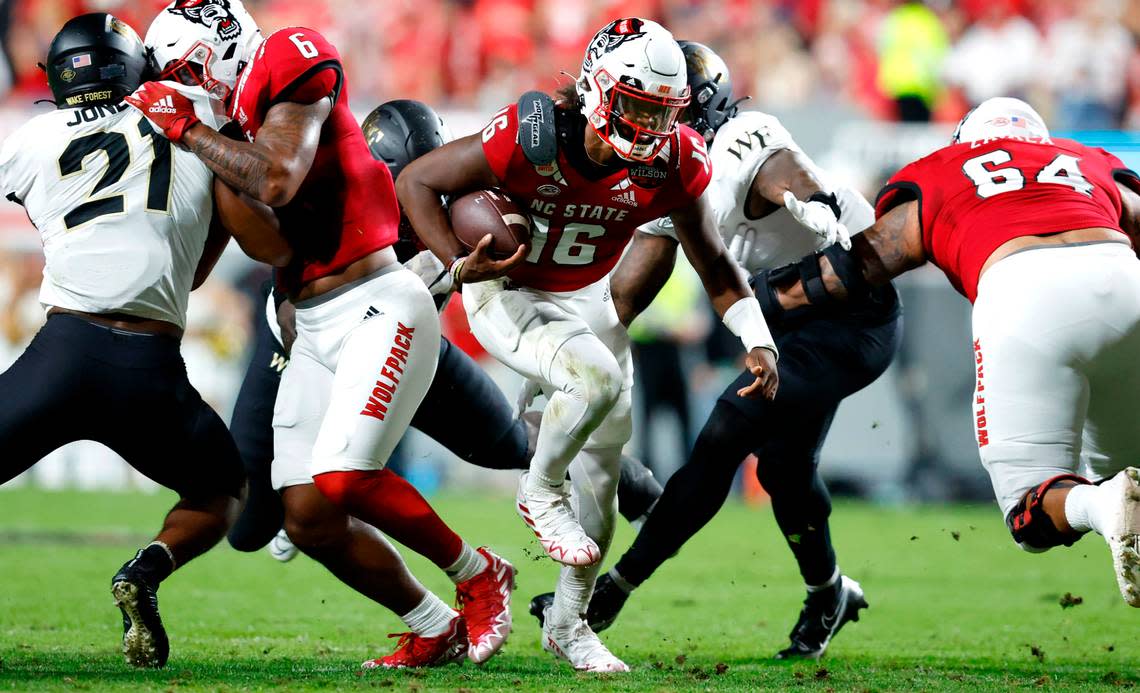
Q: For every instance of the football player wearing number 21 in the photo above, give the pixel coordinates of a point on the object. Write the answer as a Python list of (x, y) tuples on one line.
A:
[(367, 330), (608, 157)]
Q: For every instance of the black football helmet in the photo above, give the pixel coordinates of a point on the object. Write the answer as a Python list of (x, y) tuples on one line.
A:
[(94, 59), (711, 103), (400, 131)]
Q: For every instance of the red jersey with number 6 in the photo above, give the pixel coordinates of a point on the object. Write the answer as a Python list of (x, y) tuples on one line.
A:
[(974, 196), (346, 207), (584, 214)]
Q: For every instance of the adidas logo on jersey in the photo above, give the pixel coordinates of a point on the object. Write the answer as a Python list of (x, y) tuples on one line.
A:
[(371, 313), (164, 105), (626, 198)]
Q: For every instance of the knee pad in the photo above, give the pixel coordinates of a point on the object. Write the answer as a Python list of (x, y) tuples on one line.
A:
[(1030, 526), (616, 428)]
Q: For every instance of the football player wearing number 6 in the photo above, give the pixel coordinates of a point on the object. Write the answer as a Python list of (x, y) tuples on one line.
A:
[(367, 332), (608, 157), (1035, 231), (125, 220)]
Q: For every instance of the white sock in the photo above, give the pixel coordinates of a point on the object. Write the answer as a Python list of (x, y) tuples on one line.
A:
[(469, 564), (1085, 508), (430, 618), (541, 482), (572, 595), (831, 581)]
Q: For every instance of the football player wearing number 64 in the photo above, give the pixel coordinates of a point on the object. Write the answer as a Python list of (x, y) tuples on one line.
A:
[(1036, 233), (606, 158)]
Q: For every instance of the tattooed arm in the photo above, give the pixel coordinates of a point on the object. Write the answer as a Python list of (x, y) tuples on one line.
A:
[(271, 169), (884, 251)]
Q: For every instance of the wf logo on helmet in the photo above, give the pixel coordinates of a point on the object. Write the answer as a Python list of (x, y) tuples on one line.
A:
[(210, 13)]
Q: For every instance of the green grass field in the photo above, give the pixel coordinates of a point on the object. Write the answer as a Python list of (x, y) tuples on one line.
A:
[(954, 605)]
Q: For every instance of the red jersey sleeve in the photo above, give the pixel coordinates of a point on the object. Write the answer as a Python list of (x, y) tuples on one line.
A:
[(303, 66), (1120, 173), (694, 164), (500, 142)]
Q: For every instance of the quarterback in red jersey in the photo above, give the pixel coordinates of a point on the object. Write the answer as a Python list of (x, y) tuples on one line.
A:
[(589, 170), (1036, 232), (367, 330)]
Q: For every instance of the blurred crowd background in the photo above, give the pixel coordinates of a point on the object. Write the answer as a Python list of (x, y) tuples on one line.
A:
[(864, 86)]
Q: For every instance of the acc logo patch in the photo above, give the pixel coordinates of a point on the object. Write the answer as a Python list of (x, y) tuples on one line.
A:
[(548, 190), (67, 75)]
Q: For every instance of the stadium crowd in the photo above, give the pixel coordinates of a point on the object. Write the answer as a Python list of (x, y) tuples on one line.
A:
[(893, 59)]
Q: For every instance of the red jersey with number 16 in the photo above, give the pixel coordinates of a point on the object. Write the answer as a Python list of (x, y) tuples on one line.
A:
[(974, 196), (346, 207), (585, 215)]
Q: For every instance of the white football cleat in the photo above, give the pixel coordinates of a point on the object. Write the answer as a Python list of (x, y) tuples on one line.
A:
[(577, 644), (1124, 537), (282, 548), (548, 513)]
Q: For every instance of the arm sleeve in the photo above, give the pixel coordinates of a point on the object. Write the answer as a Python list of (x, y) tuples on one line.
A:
[(500, 141), (902, 187), (659, 227), (304, 67)]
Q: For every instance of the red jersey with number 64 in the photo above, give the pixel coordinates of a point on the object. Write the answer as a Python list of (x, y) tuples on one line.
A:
[(975, 196), (584, 215), (346, 207)]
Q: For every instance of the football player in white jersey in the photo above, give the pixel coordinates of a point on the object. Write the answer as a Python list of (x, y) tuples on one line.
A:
[(773, 206), (125, 220)]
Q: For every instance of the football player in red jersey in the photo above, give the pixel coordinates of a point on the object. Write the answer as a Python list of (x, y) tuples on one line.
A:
[(367, 330), (607, 158), (1035, 231)]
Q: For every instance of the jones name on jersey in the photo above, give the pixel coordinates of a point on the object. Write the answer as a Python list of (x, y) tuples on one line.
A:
[(741, 147)]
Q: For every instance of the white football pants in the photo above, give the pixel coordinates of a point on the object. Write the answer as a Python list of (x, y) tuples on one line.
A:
[(1057, 350), (363, 360)]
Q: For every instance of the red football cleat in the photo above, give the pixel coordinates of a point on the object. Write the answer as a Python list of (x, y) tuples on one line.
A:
[(413, 651), (485, 602)]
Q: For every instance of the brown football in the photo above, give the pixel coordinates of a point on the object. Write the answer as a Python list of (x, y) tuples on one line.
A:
[(483, 212)]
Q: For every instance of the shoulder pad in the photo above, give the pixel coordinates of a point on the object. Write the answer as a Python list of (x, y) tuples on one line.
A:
[(536, 134)]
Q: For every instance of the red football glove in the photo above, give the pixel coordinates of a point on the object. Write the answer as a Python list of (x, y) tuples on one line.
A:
[(166, 107)]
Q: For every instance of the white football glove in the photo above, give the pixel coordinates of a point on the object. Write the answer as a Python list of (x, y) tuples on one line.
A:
[(818, 218), (527, 393), (432, 272)]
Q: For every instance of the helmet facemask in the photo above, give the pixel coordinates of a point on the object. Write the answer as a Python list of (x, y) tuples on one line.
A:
[(194, 69), (636, 123)]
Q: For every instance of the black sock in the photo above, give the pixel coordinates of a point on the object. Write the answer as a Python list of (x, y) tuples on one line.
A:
[(152, 563)]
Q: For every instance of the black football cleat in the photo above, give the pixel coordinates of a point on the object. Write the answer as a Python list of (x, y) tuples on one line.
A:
[(145, 644), (604, 607), (824, 613)]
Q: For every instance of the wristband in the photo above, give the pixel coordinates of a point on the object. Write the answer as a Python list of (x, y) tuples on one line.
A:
[(455, 269), (828, 199), (745, 320)]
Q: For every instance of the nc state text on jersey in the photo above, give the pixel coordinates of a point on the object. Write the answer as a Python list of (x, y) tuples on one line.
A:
[(583, 211)]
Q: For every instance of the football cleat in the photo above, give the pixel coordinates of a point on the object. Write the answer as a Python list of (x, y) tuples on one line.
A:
[(824, 613), (604, 607), (547, 512), (577, 644), (282, 548), (1124, 537), (485, 602), (414, 651), (144, 639)]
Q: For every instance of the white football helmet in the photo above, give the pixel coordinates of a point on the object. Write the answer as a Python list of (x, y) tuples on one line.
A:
[(999, 117), (203, 42), (633, 86)]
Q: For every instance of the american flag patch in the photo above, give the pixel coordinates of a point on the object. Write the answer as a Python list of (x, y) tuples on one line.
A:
[(81, 60)]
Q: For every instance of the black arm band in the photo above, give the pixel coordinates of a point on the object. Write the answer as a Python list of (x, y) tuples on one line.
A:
[(765, 289), (849, 271), (828, 199), (814, 288)]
